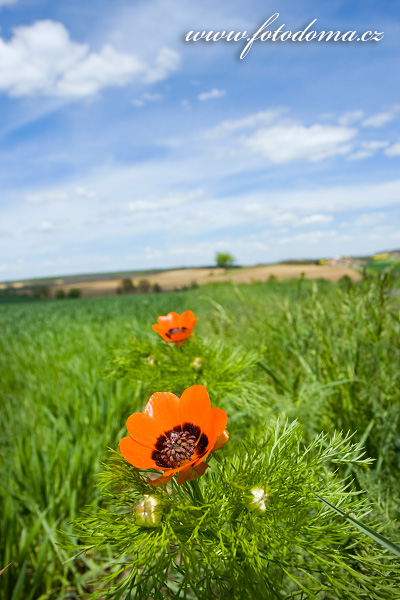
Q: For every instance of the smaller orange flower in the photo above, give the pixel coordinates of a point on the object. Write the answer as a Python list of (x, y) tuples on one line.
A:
[(176, 328), (175, 435)]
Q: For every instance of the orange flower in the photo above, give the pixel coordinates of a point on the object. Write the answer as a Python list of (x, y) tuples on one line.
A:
[(175, 435), (176, 328)]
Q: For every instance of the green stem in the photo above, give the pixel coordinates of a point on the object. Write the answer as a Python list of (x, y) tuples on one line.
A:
[(274, 377), (374, 535), (197, 493)]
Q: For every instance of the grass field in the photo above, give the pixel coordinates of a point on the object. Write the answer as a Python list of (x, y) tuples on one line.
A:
[(329, 354), (174, 280)]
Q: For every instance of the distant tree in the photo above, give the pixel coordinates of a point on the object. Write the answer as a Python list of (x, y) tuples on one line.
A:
[(224, 260), (144, 286), (157, 288), (128, 287), (194, 285), (74, 293), (41, 291), (60, 294)]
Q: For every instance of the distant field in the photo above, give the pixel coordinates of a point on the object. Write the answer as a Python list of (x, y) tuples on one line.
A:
[(107, 284), (381, 265)]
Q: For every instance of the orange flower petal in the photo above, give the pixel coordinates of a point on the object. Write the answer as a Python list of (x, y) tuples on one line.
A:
[(217, 421), (179, 337), (187, 319), (194, 406), (214, 426), (160, 480), (192, 473), (221, 441), (159, 328), (139, 456), (163, 408), (144, 429), (169, 320)]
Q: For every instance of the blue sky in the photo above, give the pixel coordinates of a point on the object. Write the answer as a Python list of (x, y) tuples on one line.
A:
[(122, 146)]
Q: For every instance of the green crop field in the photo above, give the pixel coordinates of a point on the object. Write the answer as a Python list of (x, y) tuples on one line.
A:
[(71, 372)]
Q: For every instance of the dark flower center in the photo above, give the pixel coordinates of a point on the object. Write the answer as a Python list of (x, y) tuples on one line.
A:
[(179, 446), (175, 330)]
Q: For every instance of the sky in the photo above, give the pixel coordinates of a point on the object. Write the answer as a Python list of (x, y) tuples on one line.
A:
[(123, 146)]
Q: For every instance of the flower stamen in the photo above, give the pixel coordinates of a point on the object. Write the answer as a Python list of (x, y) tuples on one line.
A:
[(176, 448)]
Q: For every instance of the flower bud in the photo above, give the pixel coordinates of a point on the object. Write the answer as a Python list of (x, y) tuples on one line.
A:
[(258, 498), (150, 360), (148, 511), (198, 363)]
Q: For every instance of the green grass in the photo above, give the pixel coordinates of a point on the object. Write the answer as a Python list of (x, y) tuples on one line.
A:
[(71, 373), (379, 266)]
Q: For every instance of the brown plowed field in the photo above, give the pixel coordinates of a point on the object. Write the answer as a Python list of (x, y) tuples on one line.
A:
[(170, 280)]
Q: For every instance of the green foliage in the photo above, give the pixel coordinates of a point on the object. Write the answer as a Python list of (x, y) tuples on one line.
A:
[(224, 260), (127, 285), (144, 286), (380, 266), (74, 293), (41, 291), (60, 294), (210, 545), (150, 364)]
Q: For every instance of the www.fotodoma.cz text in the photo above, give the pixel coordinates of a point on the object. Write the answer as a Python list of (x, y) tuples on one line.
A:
[(263, 34)]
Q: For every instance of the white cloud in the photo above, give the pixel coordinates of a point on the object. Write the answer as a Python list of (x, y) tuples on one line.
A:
[(7, 2), (368, 149), (151, 97), (360, 155), (316, 220), (290, 142), (46, 196), (379, 120), (96, 71), (308, 238), (393, 150), (350, 117), (282, 218), (85, 193), (41, 59), (168, 202), (293, 219), (46, 226), (145, 98), (369, 219), (183, 219), (265, 117), (374, 145), (211, 95), (167, 61)]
